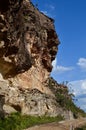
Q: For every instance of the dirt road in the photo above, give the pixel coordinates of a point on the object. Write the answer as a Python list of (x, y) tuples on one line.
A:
[(63, 125)]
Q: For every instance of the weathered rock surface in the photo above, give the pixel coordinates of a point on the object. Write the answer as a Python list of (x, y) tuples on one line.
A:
[(28, 45), (30, 102)]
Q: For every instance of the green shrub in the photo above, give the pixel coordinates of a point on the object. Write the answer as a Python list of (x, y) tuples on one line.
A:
[(64, 98), (17, 121)]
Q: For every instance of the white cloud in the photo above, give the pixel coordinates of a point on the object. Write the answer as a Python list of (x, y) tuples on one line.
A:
[(45, 12), (82, 63), (54, 64), (79, 89), (84, 85), (48, 13), (49, 10), (63, 69), (60, 69), (52, 7)]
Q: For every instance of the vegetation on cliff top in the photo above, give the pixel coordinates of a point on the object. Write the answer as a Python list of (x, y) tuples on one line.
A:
[(64, 98)]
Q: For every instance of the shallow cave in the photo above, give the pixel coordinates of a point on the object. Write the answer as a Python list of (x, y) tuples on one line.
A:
[(4, 5), (46, 65), (16, 107)]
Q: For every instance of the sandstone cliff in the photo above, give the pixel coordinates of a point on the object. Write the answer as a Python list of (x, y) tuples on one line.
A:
[(28, 45)]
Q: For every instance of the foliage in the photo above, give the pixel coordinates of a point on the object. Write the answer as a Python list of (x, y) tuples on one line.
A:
[(64, 98), (16, 121), (67, 103)]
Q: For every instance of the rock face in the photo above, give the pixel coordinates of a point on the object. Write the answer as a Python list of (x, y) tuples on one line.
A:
[(30, 102), (28, 45)]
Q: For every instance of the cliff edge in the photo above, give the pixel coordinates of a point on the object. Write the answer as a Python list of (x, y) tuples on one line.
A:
[(28, 45)]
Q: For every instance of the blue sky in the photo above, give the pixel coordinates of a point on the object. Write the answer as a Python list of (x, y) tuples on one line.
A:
[(70, 25)]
